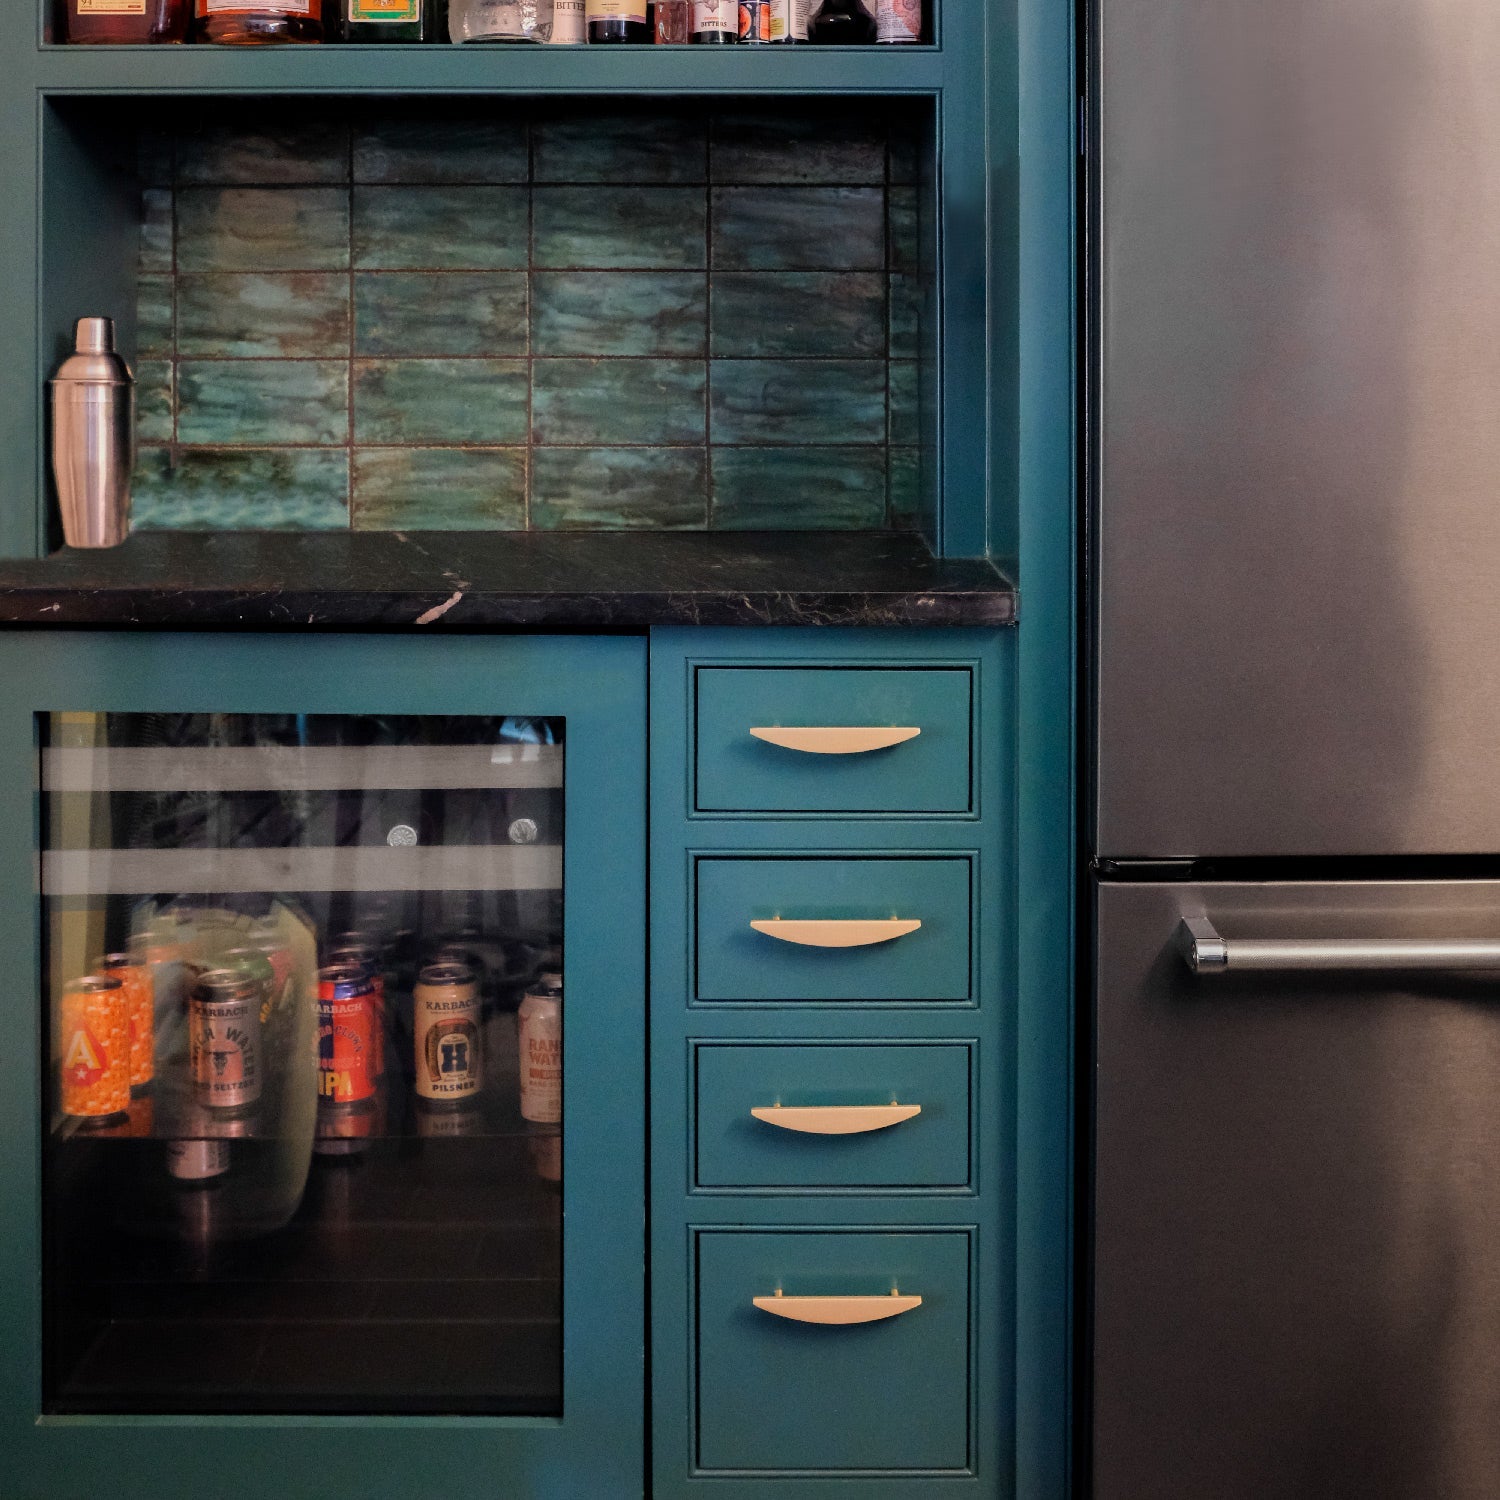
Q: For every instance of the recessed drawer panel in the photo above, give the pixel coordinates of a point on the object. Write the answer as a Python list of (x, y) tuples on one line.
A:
[(776, 1392), (817, 1115), (751, 756), (832, 929)]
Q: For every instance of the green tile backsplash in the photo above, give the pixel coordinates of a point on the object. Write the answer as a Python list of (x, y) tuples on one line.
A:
[(431, 318)]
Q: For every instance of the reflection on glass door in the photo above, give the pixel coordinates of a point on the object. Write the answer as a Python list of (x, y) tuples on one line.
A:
[(304, 1073)]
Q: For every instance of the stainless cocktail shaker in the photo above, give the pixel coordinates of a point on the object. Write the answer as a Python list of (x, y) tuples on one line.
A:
[(93, 437)]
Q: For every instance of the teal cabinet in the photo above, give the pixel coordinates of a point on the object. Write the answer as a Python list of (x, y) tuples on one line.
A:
[(779, 959), (744, 1136), (740, 767), (411, 1301), (785, 1396)]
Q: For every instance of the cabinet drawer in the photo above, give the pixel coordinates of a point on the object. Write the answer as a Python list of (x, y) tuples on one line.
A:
[(738, 772), (779, 1394), (735, 1148), (736, 961)]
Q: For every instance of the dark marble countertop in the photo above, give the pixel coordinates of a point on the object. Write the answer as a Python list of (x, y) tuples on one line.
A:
[(617, 581)]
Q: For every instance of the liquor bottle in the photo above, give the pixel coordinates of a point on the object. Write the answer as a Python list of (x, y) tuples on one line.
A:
[(671, 20), (848, 23), (755, 21), (715, 23), (570, 25), (386, 21), (789, 20), (500, 20), (618, 21), (115, 22), (238, 23)]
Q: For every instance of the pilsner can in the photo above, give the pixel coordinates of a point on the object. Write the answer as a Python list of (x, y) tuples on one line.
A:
[(540, 1022), (94, 1023), (140, 1001), (445, 1025), (224, 1039), (347, 1029)]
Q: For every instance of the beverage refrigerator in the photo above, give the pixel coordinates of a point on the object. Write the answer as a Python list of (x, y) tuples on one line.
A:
[(1294, 812)]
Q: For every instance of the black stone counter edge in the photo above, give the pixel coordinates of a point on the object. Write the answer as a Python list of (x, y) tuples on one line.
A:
[(463, 610), (496, 580)]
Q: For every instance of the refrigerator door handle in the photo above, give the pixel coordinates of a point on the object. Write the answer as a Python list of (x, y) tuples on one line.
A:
[(1206, 952)]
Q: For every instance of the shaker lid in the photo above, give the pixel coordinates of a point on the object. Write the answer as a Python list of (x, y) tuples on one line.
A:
[(94, 361)]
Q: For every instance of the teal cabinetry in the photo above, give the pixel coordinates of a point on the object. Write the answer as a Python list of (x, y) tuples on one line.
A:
[(749, 1400)]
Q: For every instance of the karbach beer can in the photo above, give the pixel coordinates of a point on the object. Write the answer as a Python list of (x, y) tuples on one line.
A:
[(445, 1024), (349, 952), (347, 1027), (140, 1001), (224, 1039), (94, 1025), (540, 1023)]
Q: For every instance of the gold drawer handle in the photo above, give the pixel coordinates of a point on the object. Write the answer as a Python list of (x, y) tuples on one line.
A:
[(837, 739), (837, 1310), (836, 933), (835, 1119)]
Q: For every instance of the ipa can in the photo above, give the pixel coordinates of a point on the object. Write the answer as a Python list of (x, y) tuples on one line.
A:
[(445, 1024), (540, 1022), (140, 1002), (224, 1039), (348, 1023), (94, 1024)]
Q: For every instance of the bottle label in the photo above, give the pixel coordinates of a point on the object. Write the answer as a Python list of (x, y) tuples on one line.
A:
[(569, 22), (755, 20), (111, 7), (716, 15), (898, 21), (239, 8), (788, 20), (617, 10), (389, 11)]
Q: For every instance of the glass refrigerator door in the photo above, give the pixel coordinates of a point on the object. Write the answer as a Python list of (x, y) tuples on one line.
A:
[(337, 1042)]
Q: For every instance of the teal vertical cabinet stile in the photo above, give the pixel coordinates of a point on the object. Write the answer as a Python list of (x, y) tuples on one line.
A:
[(596, 1447)]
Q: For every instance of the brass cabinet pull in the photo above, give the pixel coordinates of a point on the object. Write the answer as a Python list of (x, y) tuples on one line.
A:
[(836, 739), (836, 933), (835, 1119), (837, 1310)]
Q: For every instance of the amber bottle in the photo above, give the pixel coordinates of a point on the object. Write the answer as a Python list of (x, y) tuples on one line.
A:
[(126, 21), (246, 24)]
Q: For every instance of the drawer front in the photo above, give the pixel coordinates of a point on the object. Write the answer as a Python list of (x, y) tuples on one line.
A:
[(779, 1394), (735, 961), (738, 772), (824, 1083)]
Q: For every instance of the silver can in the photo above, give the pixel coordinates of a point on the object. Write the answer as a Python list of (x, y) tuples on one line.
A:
[(224, 1039)]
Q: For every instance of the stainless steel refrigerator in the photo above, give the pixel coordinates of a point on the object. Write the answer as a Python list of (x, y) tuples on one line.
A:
[(1295, 814)]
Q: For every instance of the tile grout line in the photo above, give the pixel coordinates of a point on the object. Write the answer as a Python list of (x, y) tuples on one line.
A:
[(708, 321), (349, 370), (886, 280), (528, 482)]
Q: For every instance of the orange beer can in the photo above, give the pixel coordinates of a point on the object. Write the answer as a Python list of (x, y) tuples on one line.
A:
[(94, 1023), (140, 999)]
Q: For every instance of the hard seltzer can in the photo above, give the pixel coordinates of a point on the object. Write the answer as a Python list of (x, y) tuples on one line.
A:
[(224, 1039)]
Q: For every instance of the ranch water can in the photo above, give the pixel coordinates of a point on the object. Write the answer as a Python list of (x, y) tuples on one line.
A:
[(540, 1022), (224, 1039), (445, 1025)]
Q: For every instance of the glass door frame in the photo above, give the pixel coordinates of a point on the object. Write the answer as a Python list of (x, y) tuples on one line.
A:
[(596, 1448)]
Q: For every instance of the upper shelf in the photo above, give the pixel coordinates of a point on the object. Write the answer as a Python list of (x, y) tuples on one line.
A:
[(480, 68)]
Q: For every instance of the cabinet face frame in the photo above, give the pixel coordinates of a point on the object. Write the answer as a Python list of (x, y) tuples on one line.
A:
[(597, 1445)]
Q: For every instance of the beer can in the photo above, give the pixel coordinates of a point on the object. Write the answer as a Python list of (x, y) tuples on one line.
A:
[(540, 1024), (140, 1001), (224, 1039), (755, 20), (352, 952), (197, 1161), (898, 20), (445, 1025), (347, 1029), (344, 1129), (94, 1026)]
